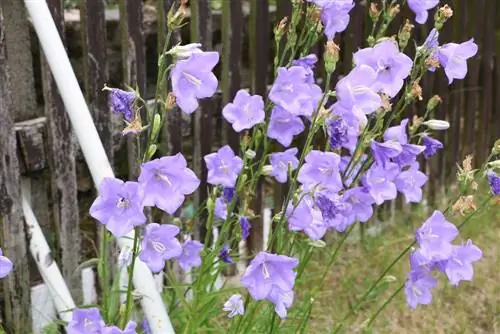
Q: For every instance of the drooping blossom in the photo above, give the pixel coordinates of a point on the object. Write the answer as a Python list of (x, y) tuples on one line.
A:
[(435, 236), (321, 169), (418, 287), (391, 66), (245, 111), (432, 41), (192, 79), (86, 321), (355, 119), (190, 256), (234, 305), (281, 162), (453, 58), (337, 130), (336, 212), (167, 181), (223, 167), (6, 265), (224, 254), (282, 300), (361, 203), (383, 152), (159, 244), (410, 183), (379, 182), (334, 15), (130, 328), (245, 227), (431, 146), (121, 102), (308, 63), (119, 206), (494, 181), (267, 271), (293, 92), (306, 217), (421, 8), (283, 125), (220, 210), (458, 267), (409, 152), (355, 90)]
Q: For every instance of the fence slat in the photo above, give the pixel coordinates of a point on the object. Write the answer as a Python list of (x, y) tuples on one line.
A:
[(63, 171), (201, 31), (15, 286)]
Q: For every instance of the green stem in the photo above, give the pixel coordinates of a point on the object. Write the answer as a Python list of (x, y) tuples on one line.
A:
[(128, 303), (103, 270)]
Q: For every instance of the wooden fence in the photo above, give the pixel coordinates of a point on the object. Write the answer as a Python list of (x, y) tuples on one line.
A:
[(37, 146)]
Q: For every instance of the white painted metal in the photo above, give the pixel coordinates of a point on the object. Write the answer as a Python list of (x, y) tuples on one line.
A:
[(43, 311)]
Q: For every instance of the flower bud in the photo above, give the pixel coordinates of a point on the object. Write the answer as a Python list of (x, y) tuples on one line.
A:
[(267, 170), (277, 217), (331, 56), (442, 15), (434, 102), (496, 147), (151, 151), (435, 124), (210, 204), (394, 10), (250, 154), (185, 51), (404, 34), (374, 12), (156, 127), (317, 243), (279, 30)]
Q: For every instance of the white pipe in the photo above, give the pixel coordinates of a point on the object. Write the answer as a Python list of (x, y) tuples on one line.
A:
[(46, 265), (95, 156)]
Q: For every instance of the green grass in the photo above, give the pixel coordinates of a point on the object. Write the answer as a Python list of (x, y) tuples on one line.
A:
[(471, 307)]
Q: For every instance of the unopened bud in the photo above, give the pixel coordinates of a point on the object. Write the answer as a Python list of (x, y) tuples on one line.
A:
[(394, 10), (151, 151), (210, 204), (279, 30), (404, 34), (374, 12), (156, 127), (436, 124), (442, 15), (317, 243), (331, 56), (250, 154), (185, 51), (494, 164), (434, 102)]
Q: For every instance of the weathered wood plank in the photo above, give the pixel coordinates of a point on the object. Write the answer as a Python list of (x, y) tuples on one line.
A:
[(201, 31), (64, 193), (15, 286)]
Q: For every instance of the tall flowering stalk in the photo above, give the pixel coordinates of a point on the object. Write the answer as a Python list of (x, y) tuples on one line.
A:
[(371, 156)]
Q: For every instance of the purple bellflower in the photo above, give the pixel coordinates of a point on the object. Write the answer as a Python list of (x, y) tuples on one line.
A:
[(292, 91), (234, 305), (432, 41), (145, 327), (308, 63), (167, 181), (336, 212), (86, 321), (494, 181), (410, 182), (268, 271), (6, 265), (321, 169), (435, 236), (119, 206), (453, 57), (225, 255), (431, 146), (223, 167), (282, 300), (421, 8), (409, 152), (245, 227), (418, 287), (245, 111), (281, 162), (130, 328), (458, 267), (383, 152), (361, 203), (379, 182), (337, 130), (121, 102), (391, 66), (220, 209), (159, 244), (190, 256), (283, 125), (334, 15), (192, 79), (305, 216), (354, 90)]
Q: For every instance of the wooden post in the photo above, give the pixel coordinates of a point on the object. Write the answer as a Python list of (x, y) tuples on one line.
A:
[(63, 171), (15, 286), (201, 31)]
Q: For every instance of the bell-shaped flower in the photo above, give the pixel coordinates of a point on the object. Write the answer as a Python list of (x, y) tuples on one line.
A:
[(361, 203), (336, 212), (431, 146), (355, 90), (383, 152), (190, 256), (435, 236), (282, 300), (234, 305), (458, 267), (421, 9), (223, 167), (159, 244), (283, 126), (306, 217), (281, 162), (321, 169), (6, 265), (245, 111), (379, 182), (418, 287), (86, 321), (453, 58), (130, 328), (410, 183)]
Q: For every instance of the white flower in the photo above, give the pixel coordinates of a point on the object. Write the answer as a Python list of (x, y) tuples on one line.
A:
[(234, 306), (436, 124)]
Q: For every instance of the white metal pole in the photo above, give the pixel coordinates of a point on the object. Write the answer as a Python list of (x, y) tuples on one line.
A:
[(93, 150)]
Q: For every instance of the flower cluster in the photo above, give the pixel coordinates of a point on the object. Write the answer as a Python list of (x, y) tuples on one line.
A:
[(437, 253), (89, 321)]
